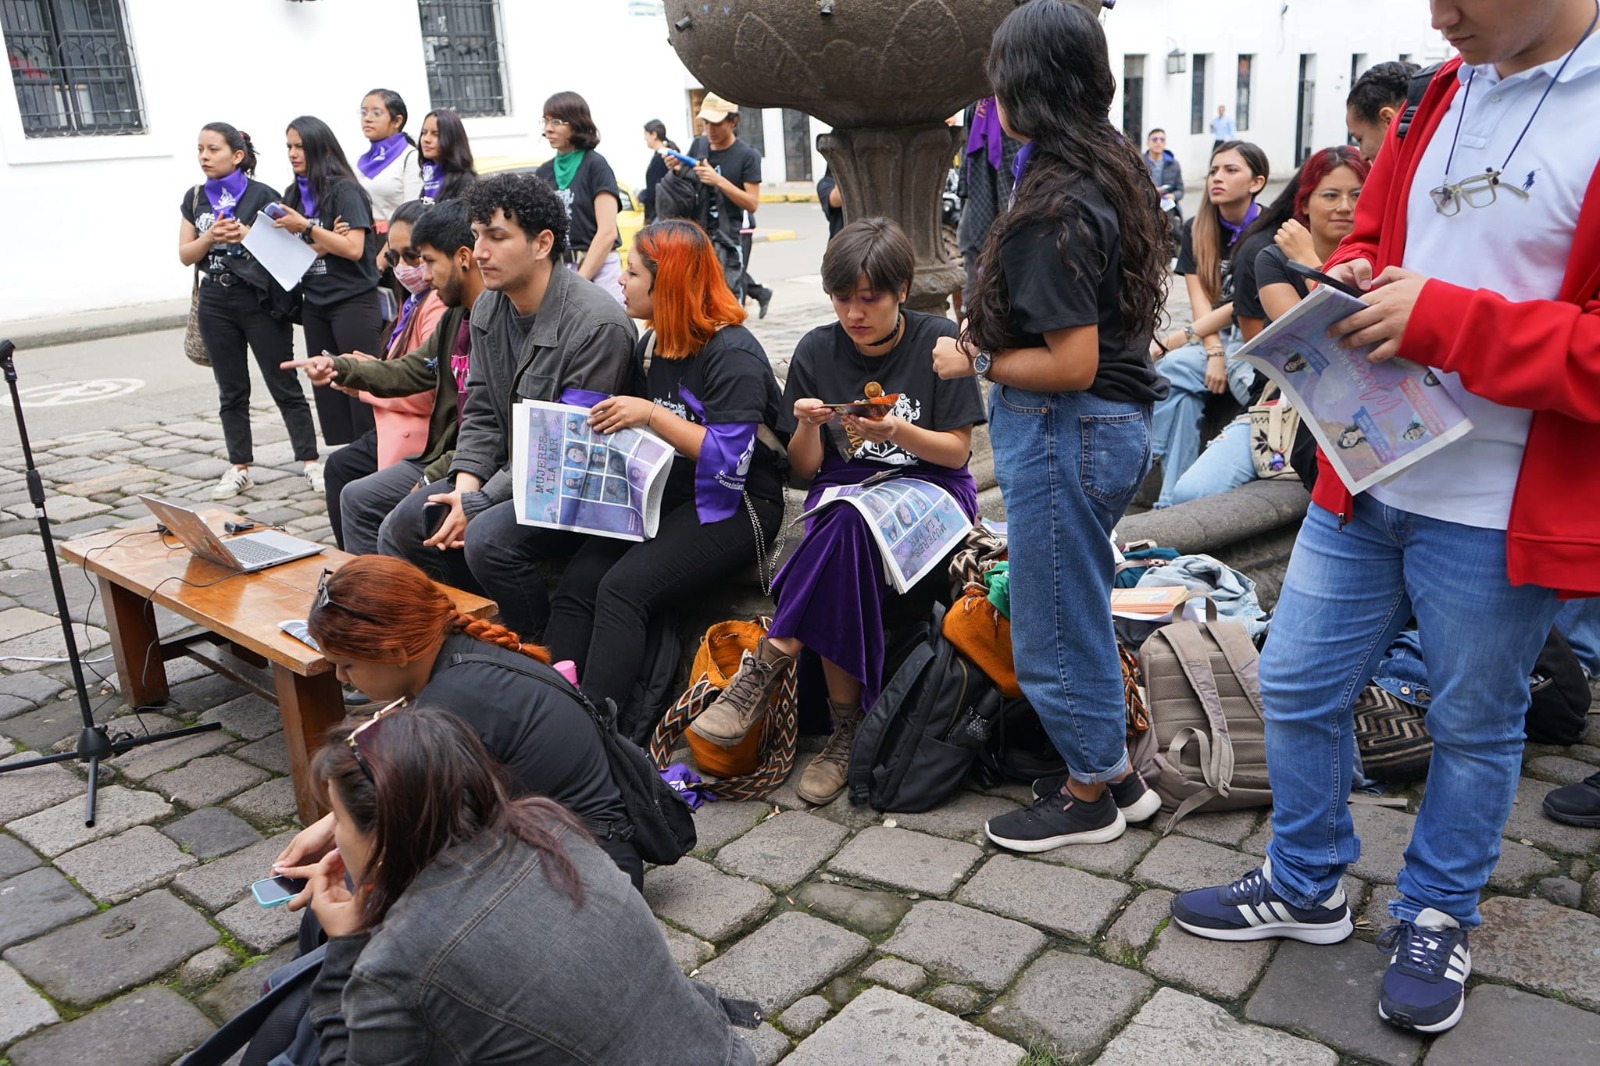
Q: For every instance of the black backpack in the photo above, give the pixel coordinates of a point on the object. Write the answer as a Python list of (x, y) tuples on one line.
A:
[(662, 826), (1559, 712), (926, 729)]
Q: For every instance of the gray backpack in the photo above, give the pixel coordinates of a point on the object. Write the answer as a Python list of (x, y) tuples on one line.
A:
[(1205, 711)]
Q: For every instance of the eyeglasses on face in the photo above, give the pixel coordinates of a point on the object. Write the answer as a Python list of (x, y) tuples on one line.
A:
[(552, 122), (355, 734), (374, 112), (407, 255), (324, 600)]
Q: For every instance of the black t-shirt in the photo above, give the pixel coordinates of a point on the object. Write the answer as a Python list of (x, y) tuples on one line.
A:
[(1052, 288), (594, 177), (1272, 268), (740, 164), (545, 739), (732, 378), (334, 279), (256, 196), (1246, 286), (828, 367)]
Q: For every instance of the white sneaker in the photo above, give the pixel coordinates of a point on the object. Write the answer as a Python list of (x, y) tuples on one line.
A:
[(314, 475), (233, 481)]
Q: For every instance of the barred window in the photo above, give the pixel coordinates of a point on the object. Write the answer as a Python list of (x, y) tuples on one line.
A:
[(71, 66), (461, 48)]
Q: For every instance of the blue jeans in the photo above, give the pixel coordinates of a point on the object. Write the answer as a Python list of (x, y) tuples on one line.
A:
[(1068, 464), (1175, 422), (1579, 622), (1225, 464), (1346, 595)]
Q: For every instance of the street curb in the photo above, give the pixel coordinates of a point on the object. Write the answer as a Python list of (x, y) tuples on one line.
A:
[(767, 236), (53, 335), (788, 197)]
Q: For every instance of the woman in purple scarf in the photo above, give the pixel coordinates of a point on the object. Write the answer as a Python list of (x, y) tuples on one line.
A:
[(831, 595), (388, 170), (237, 306)]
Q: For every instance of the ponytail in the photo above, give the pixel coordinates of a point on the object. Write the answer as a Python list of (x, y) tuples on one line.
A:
[(238, 141), (492, 633)]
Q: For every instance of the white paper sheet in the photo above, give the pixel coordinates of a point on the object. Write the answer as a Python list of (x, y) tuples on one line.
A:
[(286, 257)]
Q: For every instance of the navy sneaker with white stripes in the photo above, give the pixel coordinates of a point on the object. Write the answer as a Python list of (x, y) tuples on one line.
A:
[(1424, 988), (1249, 909)]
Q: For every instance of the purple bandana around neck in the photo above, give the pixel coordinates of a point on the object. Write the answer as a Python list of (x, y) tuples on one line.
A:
[(432, 180), (986, 135), (1234, 231), (724, 463), (1019, 165), (224, 193), (377, 158), (308, 197)]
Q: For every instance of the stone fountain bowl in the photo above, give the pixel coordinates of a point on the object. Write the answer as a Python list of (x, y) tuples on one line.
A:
[(871, 63)]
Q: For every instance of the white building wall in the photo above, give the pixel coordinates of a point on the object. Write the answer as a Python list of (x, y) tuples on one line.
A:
[(91, 222)]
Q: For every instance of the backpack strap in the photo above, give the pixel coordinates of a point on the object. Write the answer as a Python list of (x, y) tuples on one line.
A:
[(239, 1030), (1216, 751), (1243, 658), (876, 724), (1414, 94)]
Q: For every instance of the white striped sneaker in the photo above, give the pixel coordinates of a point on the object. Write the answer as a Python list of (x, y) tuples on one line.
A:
[(1249, 909), (1424, 988)]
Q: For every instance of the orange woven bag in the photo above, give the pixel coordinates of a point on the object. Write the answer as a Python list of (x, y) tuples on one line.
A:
[(983, 635)]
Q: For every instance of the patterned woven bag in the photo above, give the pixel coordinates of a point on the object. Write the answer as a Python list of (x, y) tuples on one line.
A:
[(1392, 737)]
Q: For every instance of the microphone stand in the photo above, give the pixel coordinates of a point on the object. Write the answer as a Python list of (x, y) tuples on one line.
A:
[(94, 742)]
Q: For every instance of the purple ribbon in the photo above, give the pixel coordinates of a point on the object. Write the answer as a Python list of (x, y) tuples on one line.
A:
[(689, 786), (986, 134), (724, 463), (581, 397), (308, 197), (224, 193), (432, 180), (1234, 231), (377, 158), (1020, 163)]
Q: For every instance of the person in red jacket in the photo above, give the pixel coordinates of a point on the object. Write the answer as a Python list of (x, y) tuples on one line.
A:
[(1477, 241)]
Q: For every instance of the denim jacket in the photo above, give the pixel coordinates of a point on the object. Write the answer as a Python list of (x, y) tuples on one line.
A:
[(1402, 673), (483, 960)]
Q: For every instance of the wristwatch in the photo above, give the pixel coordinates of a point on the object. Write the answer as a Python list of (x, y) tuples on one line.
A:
[(981, 362)]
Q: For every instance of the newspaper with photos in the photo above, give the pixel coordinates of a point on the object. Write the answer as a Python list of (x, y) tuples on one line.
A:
[(1372, 420), (567, 475), (914, 522)]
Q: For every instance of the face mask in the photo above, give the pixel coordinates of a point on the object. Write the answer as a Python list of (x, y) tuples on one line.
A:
[(412, 278)]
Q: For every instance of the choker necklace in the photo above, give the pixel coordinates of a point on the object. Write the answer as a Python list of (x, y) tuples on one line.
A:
[(893, 335), (1480, 189)]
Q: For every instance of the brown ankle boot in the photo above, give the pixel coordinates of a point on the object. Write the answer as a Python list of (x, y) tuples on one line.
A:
[(744, 702), (825, 776)]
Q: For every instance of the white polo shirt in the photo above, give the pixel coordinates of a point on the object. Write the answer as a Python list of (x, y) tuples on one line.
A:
[(1515, 247)]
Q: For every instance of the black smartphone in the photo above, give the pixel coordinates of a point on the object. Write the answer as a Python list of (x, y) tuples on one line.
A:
[(1313, 274), (433, 516), (238, 527)]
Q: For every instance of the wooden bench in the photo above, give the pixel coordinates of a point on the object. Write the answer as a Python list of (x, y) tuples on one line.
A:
[(139, 570)]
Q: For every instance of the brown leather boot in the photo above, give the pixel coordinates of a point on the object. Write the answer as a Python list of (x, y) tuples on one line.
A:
[(825, 776), (746, 699)]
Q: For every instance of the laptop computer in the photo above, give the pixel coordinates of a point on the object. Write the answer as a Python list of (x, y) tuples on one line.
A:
[(247, 554)]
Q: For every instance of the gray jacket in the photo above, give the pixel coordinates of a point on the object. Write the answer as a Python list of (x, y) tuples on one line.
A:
[(1167, 173), (482, 960), (581, 339)]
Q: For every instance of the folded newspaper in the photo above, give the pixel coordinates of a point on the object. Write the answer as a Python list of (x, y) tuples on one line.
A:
[(1372, 420), (566, 475), (915, 523)]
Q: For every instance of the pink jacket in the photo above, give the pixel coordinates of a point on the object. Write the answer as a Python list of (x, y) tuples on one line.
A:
[(403, 420)]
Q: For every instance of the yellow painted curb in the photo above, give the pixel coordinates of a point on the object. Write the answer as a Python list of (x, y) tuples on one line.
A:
[(788, 197), (765, 236)]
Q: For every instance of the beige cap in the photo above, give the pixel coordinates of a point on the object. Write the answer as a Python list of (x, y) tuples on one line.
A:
[(715, 109)]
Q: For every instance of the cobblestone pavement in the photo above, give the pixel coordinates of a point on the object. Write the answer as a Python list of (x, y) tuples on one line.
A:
[(868, 938)]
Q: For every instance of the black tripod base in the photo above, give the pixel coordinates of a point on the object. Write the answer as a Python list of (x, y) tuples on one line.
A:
[(94, 744)]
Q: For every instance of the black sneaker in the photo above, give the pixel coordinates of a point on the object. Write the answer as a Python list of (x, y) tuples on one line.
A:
[(1577, 804), (1249, 909), (1134, 798), (1056, 821), (1425, 986)]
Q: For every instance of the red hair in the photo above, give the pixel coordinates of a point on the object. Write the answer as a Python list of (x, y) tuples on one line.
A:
[(385, 610), (1318, 167), (692, 298)]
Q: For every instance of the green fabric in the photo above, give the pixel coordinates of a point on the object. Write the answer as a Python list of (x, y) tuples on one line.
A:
[(567, 165), (998, 580)]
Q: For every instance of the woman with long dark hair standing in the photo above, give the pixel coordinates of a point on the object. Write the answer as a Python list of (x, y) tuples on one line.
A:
[(388, 169), (234, 304), (447, 167), (585, 182), (1072, 281), (655, 139), (340, 309)]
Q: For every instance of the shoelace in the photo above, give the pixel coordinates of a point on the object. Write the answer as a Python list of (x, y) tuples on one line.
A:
[(837, 749), (1423, 952), (1252, 887), (745, 692)]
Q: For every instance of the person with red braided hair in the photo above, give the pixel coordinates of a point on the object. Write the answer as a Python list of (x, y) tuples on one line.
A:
[(392, 633)]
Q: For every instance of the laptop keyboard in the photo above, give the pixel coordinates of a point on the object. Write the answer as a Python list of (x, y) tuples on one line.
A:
[(254, 553)]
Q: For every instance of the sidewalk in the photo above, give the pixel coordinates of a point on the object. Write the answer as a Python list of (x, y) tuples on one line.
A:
[(867, 938)]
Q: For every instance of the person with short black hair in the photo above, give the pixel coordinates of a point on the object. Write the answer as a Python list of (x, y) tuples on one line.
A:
[(836, 573), (1377, 98), (588, 189), (241, 309), (444, 156), (538, 333)]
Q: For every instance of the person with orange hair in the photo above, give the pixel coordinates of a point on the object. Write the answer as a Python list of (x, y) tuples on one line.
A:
[(394, 634), (708, 390)]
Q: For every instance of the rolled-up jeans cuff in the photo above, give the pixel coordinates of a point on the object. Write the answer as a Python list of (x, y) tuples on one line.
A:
[(1113, 774)]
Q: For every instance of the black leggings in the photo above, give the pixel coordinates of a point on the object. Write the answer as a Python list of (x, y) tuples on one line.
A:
[(353, 325), (601, 610), (233, 325)]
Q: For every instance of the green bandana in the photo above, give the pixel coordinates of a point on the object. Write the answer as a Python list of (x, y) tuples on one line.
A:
[(567, 164)]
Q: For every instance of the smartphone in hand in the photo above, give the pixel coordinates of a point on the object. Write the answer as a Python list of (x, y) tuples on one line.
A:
[(276, 891), (274, 211), (433, 516)]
